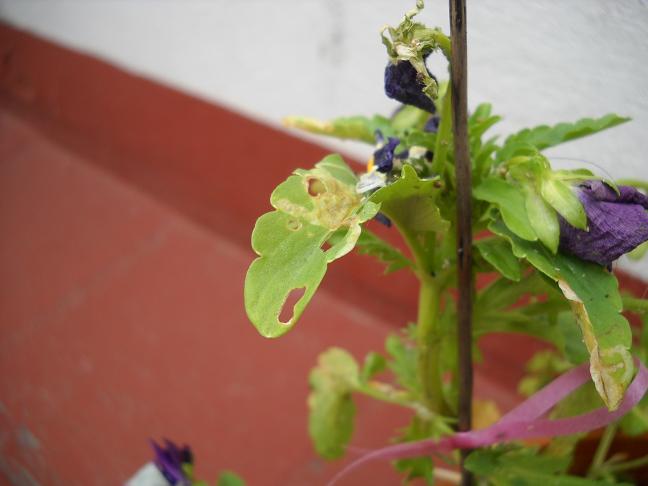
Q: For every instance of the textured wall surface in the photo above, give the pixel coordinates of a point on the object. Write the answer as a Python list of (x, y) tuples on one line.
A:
[(536, 61)]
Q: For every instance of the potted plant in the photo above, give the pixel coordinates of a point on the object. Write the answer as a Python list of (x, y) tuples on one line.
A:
[(550, 236)]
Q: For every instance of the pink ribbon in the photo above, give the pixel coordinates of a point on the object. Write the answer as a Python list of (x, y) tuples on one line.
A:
[(523, 422)]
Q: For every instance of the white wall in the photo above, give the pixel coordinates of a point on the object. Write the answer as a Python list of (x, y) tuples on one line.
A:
[(537, 61)]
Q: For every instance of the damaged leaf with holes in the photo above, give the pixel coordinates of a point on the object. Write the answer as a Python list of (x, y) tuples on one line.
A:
[(310, 206)]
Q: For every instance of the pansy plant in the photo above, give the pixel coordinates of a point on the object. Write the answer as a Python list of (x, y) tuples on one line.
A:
[(551, 238)]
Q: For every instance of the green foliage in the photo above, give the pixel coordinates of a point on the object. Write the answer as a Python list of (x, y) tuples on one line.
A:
[(416, 467), (594, 297), (563, 200), (481, 151), (508, 466), (543, 219), (511, 204), (408, 118), (403, 362), (544, 136), (497, 252), (410, 201), (229, 478), (358, 128), (311, 206), (370, 244), (330, 421), (636, 421), (374, 363)]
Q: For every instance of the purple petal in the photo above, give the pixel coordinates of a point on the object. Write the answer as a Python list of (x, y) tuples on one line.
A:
[(169, 460), (382, 219), (384, 156), (617, 223), (402, 83)]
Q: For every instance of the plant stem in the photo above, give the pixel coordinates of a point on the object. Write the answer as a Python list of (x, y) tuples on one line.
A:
[(387, 393), (428, 342), (625, 466), (444, 135), (602, 449), (634, 304), (427, 329)]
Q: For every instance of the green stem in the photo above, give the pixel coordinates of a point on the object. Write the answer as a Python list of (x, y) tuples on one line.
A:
[(634, 304), (443, 42), (428, 343), (625, 466), (444, 135), (388, 394), (602, 449), (427, 335)]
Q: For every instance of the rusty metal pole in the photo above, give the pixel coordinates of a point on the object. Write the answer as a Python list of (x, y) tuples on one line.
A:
[(459, 75)]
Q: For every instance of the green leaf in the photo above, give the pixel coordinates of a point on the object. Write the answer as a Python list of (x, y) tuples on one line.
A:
[(374, 363), (572, 339), (403, 363), (563, 200), (543, 219), (639, 252), (502, 293), (511, 204), (410, 201), (636, 421), (593, 295), (523, 467), (545, 136), (478, 123), (310, 207), (409, 117), (331, 409), (347, 128), (228, 478), (370, 244), (497, 252)]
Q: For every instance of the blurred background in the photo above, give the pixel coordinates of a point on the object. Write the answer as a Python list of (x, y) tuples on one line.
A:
[(139, 140)]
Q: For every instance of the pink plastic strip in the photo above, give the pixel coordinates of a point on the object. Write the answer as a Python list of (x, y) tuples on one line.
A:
[(523, 422)]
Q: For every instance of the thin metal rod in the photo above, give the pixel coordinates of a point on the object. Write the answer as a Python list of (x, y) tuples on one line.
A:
[(459, 79)]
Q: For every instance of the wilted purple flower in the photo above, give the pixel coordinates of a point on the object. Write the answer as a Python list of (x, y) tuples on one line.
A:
[(617, 223), (383, 157), (402, 83), (169, 461)]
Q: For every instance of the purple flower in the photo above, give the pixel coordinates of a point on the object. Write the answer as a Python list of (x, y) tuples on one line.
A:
[(617, 223), (383, 157), (170, 459), (403, 83)]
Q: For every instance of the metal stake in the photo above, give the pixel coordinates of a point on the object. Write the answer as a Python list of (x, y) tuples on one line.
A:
[(459, 76)]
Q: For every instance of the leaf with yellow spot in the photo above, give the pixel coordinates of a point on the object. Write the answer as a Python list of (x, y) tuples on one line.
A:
[(311, 206)]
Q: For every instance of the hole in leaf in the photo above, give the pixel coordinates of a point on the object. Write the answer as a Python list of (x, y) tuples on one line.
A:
[(289, 305), (316, 187), (293, 224)]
